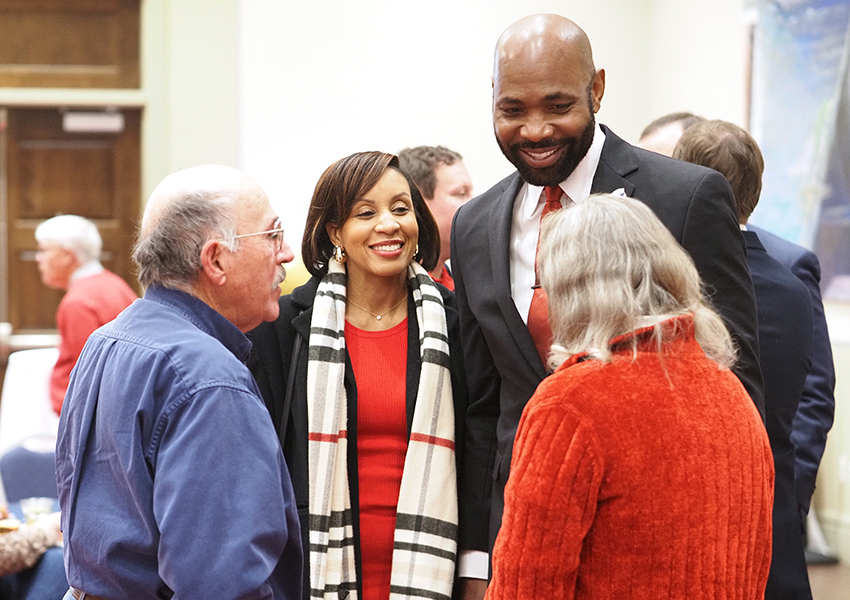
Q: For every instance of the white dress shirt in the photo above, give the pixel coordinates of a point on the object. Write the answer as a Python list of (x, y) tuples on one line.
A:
[(525, 227), (92, 267)]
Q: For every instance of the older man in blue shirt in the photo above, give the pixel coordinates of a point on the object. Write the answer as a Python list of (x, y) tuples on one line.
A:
[(171, 479)]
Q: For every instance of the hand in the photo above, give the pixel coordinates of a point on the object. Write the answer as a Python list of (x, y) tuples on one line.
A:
[(472, 589), (55, 520)]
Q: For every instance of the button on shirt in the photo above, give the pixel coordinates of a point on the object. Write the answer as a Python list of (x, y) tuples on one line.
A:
[(525, 227), (170, 473)]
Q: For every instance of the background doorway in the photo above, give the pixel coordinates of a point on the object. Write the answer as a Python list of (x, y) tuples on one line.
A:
[(46, 170)]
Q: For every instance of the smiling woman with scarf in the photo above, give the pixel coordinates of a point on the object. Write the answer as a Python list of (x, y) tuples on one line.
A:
[(363, 378)]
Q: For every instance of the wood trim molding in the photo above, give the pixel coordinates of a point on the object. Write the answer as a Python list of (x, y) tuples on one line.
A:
[(70, 43)]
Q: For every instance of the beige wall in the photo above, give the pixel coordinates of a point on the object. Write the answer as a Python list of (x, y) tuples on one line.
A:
[(284, 88), (697, 59), (189, 79), (832, 497), (319, 83)]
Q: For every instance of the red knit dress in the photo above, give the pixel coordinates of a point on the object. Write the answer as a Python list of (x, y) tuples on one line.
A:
[(379, 360), (637, 479)]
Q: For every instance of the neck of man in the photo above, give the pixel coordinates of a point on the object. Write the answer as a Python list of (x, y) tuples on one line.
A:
[(437, 271)]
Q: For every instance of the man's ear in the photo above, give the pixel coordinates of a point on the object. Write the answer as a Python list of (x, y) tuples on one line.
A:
[(69, 259), (214, 261), (597, 89)]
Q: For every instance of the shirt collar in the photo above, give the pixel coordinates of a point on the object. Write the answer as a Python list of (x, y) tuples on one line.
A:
[(204, 318), (92, 267), (577, 185), (680, 326)]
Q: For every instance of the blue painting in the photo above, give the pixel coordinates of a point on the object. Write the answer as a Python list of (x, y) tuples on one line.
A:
[(800, 115)]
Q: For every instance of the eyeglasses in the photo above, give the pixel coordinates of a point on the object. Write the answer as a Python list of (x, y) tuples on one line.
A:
[(275, 235)]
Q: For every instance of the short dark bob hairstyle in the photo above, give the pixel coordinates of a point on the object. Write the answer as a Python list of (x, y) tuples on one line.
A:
[(339, 188)]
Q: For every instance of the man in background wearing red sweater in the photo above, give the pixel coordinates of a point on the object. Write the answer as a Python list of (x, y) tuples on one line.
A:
[(69, 259), (444, 182)]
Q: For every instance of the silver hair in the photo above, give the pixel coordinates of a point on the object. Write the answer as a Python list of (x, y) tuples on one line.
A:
[(609, 266), (170, 254), (74, 233)]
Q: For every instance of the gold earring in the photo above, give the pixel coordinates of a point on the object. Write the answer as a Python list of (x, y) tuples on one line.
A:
[(339, 254)]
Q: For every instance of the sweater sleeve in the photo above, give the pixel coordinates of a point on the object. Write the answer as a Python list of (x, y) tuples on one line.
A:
[(550, 504)]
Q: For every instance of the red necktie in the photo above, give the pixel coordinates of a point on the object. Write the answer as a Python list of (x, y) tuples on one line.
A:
[(538, 312)]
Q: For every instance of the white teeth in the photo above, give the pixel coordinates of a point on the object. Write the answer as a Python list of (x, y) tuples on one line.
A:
[(541, 153), (388, 248)]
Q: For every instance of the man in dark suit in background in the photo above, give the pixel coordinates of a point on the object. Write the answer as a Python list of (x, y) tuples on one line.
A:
[(785, 338), (816, 410), (546, 91)]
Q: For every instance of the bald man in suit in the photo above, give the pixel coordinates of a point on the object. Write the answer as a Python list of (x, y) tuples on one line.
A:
[(546, 91)]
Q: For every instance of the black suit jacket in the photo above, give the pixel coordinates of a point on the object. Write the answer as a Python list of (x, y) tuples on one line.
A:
[(816, 410), (785, 339), (503, 367)]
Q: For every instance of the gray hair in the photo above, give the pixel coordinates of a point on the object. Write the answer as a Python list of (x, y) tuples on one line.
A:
[(609, 266), (169, 254), (73, 233)]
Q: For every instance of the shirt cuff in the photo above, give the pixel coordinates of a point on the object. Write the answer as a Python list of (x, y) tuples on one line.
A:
[(473, 564)]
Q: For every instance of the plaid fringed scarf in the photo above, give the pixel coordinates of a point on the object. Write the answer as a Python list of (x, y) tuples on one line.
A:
[(426, 522)]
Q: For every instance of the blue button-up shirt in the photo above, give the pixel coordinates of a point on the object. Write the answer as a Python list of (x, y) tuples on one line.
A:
[(170, 473)]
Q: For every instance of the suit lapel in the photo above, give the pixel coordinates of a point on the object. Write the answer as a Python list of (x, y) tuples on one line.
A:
[(501, 219), (616, 163)]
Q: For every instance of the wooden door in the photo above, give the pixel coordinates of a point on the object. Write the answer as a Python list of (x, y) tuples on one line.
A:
[(50, 171)]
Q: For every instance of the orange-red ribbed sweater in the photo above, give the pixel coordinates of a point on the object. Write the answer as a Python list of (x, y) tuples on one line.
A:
[(379, 361), (650, 478)]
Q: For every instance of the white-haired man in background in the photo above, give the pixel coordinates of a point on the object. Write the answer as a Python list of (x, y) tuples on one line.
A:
[(68, 259)]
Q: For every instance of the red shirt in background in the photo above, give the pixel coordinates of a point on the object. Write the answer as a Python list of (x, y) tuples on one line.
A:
[(446, 279), (89, 303)]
